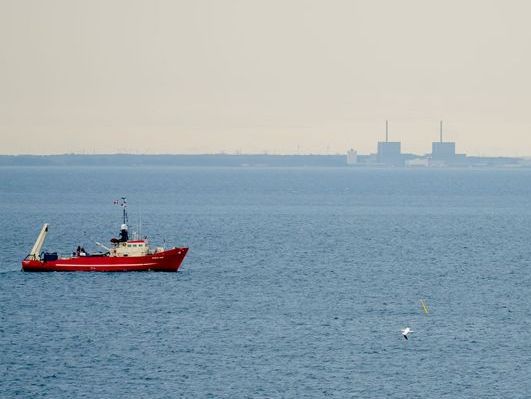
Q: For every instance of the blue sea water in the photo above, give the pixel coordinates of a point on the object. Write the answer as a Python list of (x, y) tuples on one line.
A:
[(296, 285)]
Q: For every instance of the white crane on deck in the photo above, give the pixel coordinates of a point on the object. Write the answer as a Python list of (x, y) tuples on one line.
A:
[(36, 250)]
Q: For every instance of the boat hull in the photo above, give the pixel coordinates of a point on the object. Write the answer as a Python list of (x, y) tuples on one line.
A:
[(166, 261)]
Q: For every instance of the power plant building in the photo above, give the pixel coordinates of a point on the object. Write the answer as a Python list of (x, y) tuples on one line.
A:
[(389, 152), (442, 151)]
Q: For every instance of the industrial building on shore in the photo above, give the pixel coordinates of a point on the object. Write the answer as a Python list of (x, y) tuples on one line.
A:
[(443, 154)]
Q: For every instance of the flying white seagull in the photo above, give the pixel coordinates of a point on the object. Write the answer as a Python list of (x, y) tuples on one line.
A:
[(406, 331)]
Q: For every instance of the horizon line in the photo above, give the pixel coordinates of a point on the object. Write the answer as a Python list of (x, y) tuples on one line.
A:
[(237, 154)]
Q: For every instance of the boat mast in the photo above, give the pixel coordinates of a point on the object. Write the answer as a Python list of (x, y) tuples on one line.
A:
[(124, 206)]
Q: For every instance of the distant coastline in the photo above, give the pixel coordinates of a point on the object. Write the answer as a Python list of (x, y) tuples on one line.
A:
[(219, 160), (178, 160)]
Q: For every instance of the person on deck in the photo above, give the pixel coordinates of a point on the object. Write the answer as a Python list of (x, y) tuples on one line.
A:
[(124, 235)]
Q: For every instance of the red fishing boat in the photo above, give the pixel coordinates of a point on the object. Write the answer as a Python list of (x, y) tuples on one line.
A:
[(124, 255)]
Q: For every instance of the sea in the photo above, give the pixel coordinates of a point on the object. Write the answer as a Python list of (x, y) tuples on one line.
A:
[(296, 285)]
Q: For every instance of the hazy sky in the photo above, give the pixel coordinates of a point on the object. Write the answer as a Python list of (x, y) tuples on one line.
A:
[(282, 76)]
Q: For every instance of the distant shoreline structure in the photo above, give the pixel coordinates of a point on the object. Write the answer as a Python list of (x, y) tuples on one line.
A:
[(443, 155), (244, 160)]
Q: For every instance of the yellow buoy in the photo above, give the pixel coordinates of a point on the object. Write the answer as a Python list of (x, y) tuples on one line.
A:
[(424, 306)]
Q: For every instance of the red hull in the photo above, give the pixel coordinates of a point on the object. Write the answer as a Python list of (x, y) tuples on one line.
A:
[(167, 261)]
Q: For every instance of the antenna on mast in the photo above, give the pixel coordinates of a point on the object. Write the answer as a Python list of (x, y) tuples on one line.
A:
[(386, 131)]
